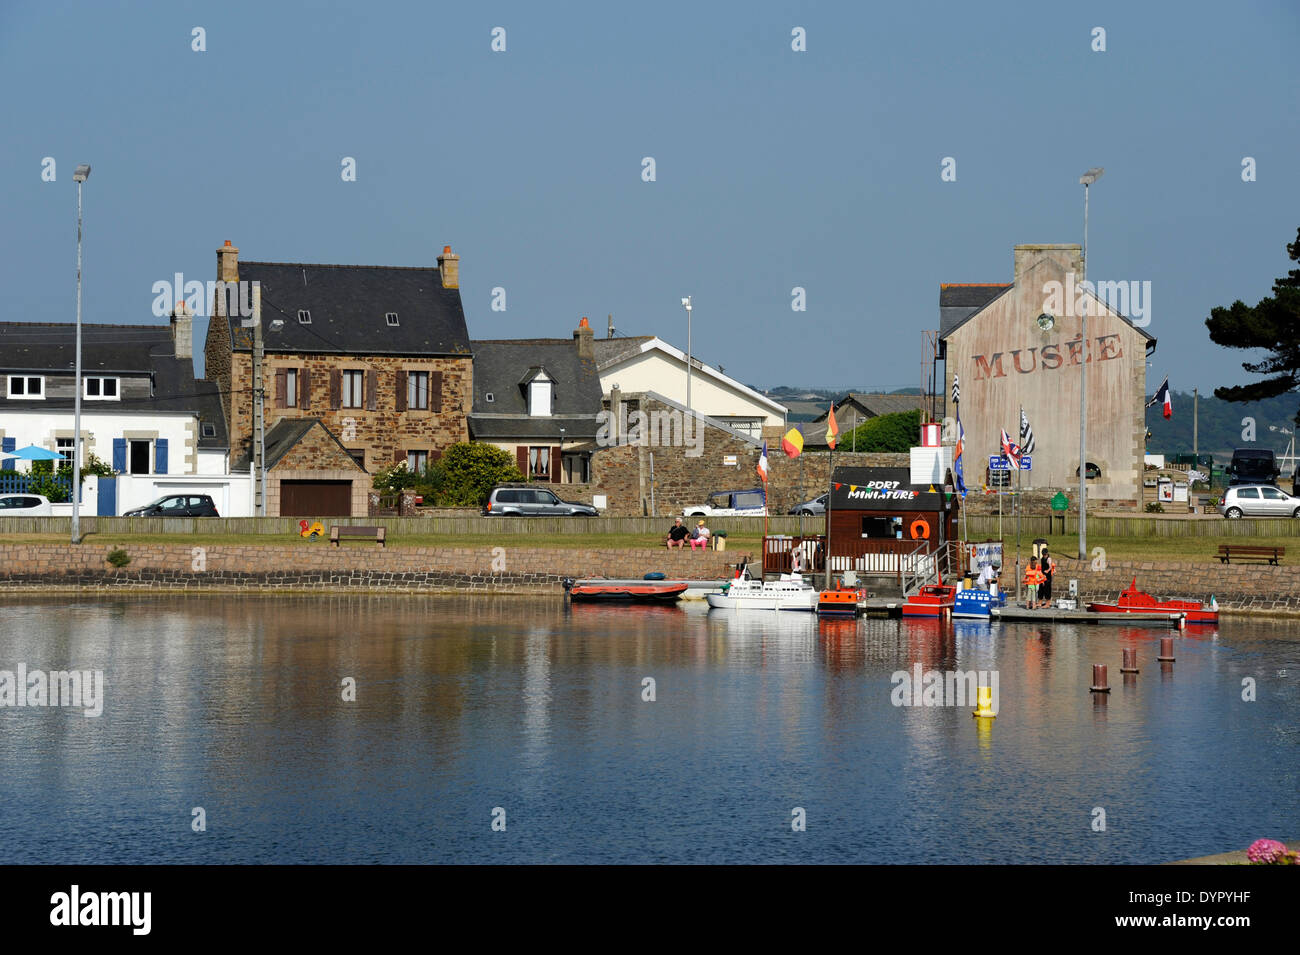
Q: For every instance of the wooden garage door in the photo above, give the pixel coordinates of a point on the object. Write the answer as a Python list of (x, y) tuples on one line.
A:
[(315, 498)]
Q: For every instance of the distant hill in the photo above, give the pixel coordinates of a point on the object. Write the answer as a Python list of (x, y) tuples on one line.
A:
[(1220, 425)]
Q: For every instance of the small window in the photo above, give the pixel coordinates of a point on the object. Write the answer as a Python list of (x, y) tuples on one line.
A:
[(26, 387), (64, 447), (489, 397), (209, 430), (417, 461), (539, 463), (1249, 493), (391, 318), (304, 317), (291, 387), (417, 390), (100, 389), (353, 388)]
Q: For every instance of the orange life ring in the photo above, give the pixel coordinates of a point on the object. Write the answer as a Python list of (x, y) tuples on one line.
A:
[(924, 526)]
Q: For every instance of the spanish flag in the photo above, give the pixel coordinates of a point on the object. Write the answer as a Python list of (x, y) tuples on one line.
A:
[(792, 443), (832, 429)]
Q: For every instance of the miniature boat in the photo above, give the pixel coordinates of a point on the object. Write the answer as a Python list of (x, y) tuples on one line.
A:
[(976, 604), (840, 602), (934, 600), (790, 592), (626, 591), (1135, 601)]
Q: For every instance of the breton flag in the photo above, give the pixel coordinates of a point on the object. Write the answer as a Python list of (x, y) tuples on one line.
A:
[(832, 429), (958, 472), (1010, 450), (1026, 435), (956, 391), (792, 443), (1162, 397), (762, 464)]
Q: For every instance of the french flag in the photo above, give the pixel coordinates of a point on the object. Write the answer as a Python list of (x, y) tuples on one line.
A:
[(762, 464), (1162, 397)]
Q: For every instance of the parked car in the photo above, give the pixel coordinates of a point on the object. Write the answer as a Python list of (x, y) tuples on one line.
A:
[(816, 506), (751, 502), (532, 502), (1258, 500), (1253, 466), (177, 505), (24, 505), (1094, 472)]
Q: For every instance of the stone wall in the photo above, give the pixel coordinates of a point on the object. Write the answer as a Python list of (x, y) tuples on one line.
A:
[(1240, 587), (318, 567)]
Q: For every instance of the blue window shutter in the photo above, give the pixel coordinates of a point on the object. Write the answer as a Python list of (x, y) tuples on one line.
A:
[(8, 444), (160, 455), (119, 455)]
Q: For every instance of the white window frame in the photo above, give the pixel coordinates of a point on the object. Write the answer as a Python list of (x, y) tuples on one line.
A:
[(100, 379), (539, 398), (359, 376), (26, 380)]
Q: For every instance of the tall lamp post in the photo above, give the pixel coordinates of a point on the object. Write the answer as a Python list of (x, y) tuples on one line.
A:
[(1087, 179), (686, 304), (80, 175)]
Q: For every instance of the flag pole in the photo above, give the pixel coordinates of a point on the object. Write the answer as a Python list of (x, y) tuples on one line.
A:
[(830, 497)]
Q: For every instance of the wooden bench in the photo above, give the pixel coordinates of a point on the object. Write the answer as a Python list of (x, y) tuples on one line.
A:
[(339, 534), (1227, 552)]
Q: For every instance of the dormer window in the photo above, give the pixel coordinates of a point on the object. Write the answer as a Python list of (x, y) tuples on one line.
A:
[(27, 387), (304, 317), (209, 430), (539, 396), (100, 389), (391, 318)]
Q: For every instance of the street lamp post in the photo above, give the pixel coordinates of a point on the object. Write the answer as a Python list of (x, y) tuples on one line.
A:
[(686, 303), (1087, 179), (79, 176)]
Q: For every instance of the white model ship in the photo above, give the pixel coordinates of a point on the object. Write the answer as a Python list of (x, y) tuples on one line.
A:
[(789, 592)]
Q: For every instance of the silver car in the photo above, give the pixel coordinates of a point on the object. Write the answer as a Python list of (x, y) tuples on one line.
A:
[(1258, 500)]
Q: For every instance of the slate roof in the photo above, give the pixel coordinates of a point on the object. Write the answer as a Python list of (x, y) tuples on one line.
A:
[(612, 349), (348, 306), (124, 351), (958, 302), (869, 404), (502, 368), (280, 439)]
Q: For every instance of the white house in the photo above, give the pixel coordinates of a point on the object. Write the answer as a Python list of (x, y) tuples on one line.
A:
[(647, 363), (142, 411)]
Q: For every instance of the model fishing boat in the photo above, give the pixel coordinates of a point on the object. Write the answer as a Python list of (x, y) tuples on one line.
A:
[(1135, 601), (625, 591), (933, 600), (840, 602), (973, 603)]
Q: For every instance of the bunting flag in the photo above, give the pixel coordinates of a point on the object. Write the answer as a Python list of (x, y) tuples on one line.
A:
[(792, 443), (956, 391), (832, 429), (762, 464), (957, 465), (1026, 434), (1010, 450), (1162, 397)]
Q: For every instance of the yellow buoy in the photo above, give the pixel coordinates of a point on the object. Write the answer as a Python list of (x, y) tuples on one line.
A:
[(984, 706)]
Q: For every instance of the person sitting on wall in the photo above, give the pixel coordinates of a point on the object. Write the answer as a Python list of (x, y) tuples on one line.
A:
[(677, 535), (700, 538)]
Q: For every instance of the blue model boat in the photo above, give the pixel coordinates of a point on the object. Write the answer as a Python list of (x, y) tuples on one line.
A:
[(976, 603)]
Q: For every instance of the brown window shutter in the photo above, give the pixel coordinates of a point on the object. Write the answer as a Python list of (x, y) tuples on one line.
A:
[(555, 464), (304, 389), (435, 394), (521, 458), (435, 454), (372, 390), (336, 389), (281, 386), (401, 391), (399, 456)]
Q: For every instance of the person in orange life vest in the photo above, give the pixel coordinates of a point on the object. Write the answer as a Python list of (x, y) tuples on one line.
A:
[(1033, 577)]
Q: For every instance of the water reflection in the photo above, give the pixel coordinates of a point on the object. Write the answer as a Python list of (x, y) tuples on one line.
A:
[(463, 704)]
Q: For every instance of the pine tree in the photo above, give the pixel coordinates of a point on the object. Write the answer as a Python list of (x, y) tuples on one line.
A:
[(1273, 324)]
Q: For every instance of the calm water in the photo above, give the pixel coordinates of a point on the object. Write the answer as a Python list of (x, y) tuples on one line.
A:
[(467, 704)]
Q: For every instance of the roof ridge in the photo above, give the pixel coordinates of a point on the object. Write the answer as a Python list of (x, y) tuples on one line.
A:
[(343, 265)]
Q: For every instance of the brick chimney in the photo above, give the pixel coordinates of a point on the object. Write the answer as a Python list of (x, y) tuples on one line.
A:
[(183, 330), (1067, 257), (449, 268), (615, 412), (583, 337), (228, 263)]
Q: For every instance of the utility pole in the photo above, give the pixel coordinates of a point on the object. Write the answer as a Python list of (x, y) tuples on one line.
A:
[(259, 419), (1087, 179), (81, 174), (1196, 398)]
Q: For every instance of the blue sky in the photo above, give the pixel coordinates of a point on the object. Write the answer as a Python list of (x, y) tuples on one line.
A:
[(774, 169)]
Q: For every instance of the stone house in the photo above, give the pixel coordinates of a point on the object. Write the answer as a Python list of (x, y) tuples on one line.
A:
[(1019, 345), (309, 473), (378, 355)]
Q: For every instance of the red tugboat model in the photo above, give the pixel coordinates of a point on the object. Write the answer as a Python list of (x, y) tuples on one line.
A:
[(934, 600), (1135, 601), (625, 591)]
